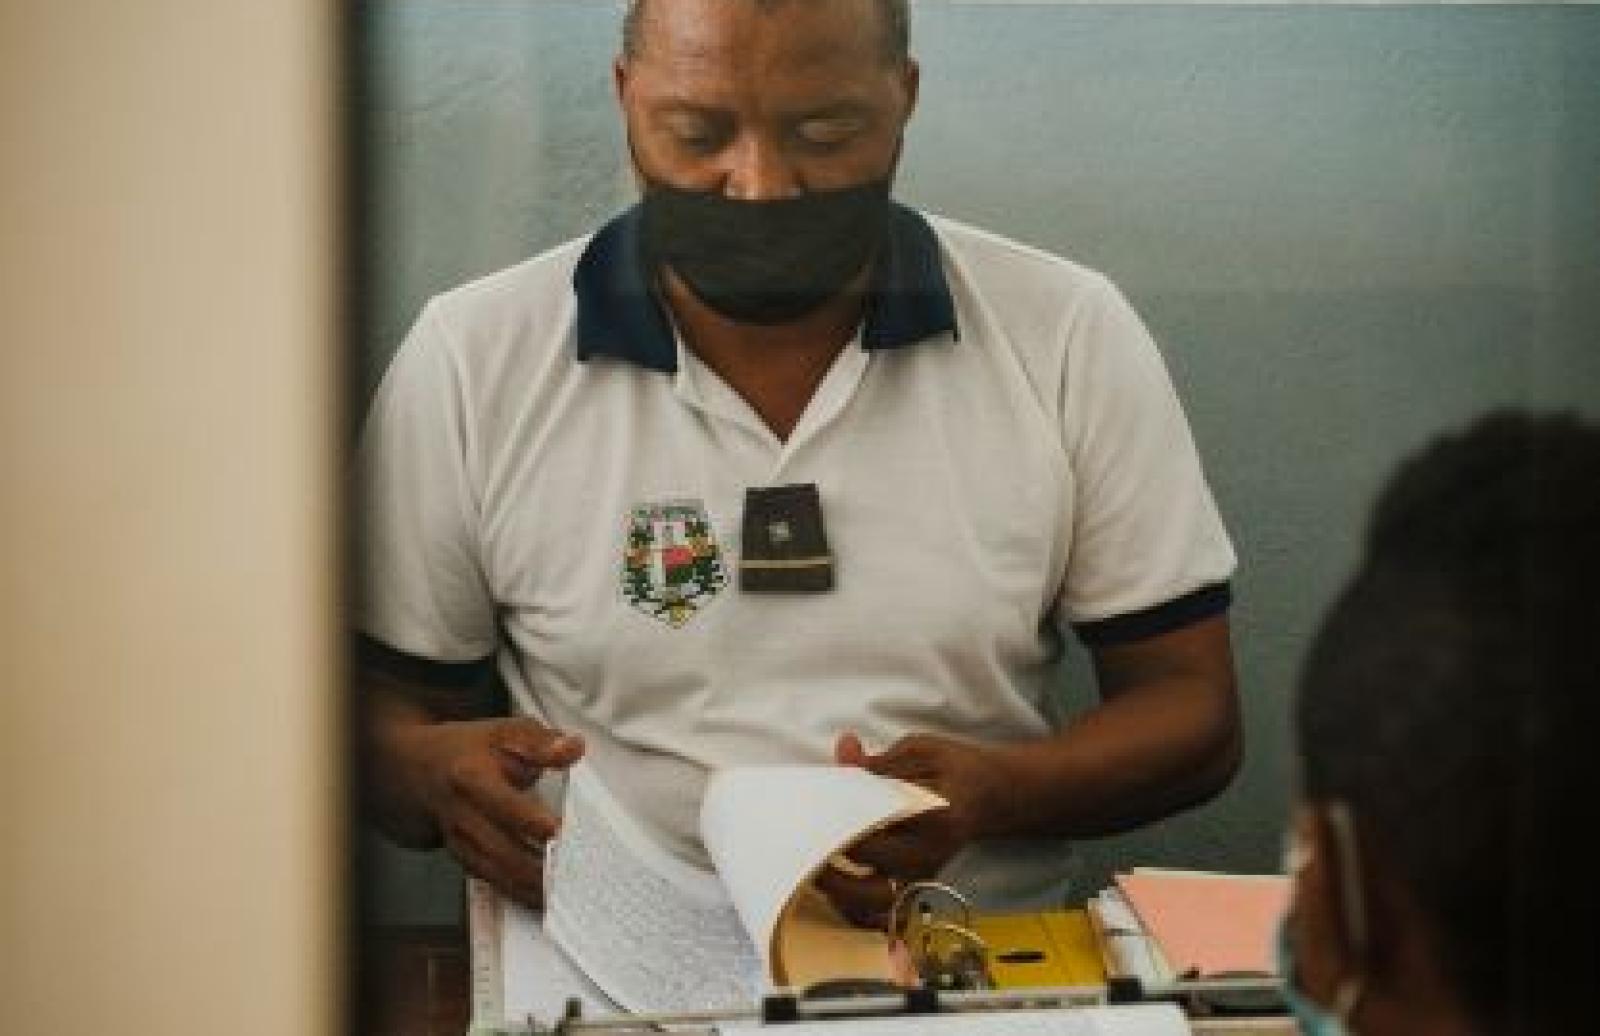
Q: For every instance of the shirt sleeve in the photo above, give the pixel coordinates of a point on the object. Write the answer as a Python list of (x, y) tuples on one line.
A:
[(1149, 553), (422, 588)]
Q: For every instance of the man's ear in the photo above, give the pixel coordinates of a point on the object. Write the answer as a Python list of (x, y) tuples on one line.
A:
[(911, 81), (619, 80)]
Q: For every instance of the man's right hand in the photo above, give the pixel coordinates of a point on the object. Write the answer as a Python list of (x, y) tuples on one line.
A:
[(471, 777)]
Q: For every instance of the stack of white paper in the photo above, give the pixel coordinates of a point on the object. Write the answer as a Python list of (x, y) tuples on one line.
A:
[(1129, 949)]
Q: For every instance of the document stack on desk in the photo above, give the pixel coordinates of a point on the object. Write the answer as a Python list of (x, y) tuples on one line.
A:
[(1213, 933), (521, 979), (1159, 925), (633, 933), (1126, 948), (630, 926), (657, 933)]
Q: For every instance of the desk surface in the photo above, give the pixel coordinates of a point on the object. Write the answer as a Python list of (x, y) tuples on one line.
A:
[(422, 987)]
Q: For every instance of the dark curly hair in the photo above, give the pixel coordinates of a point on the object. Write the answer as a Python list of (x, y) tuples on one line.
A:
[(1442, 700)]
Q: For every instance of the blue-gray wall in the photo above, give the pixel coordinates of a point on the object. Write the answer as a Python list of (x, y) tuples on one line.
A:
[(1349, 228)]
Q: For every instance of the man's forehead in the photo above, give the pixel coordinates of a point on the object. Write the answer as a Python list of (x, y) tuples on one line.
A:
[(790, 33)]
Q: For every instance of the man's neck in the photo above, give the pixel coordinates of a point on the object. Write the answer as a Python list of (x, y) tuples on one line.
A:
[(775, 368)]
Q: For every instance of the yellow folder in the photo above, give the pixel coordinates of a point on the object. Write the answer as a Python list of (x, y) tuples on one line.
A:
[(1050, 948)]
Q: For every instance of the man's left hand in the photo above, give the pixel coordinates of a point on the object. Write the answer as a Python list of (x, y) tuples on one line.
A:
[(964, 774)]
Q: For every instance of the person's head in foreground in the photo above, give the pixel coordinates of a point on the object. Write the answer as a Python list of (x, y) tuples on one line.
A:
[(1439, 883)]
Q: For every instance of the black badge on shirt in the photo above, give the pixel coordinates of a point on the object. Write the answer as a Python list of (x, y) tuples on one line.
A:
[(785, 548)]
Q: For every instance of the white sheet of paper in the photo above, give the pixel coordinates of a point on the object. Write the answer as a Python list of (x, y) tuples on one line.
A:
[(537, 977), (1130, 945), (653, 932), (1133, 1020), (768, 828)]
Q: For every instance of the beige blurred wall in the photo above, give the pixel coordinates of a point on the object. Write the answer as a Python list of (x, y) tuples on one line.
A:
[(167, 401)]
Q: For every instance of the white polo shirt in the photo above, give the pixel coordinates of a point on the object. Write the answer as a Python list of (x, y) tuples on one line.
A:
[(554, 482)]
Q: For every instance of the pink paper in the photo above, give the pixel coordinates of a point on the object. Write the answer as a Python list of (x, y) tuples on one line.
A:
[(1212, 923)]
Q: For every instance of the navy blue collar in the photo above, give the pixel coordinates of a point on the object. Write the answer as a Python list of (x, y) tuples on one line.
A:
[(619, 314)]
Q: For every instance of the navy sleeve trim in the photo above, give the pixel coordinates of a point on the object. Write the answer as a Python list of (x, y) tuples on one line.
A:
[(375, 654), (1175, 614)]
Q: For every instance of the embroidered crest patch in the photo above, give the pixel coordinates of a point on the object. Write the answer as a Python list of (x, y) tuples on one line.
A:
[(671, 563)]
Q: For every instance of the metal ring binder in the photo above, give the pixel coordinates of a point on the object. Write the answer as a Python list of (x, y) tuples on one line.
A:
[(945, 949), (914, 895)]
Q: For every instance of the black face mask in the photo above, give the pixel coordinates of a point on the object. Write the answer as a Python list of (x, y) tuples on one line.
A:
[(765, 262)]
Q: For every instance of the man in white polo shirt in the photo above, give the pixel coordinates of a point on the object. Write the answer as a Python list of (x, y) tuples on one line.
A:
[(771, 468)]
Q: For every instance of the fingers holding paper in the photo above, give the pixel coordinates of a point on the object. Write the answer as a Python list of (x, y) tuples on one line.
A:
[(863, 898), (485, 851), (474, 780), (918, 848)]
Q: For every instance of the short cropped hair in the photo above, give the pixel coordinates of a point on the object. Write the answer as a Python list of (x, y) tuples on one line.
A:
[(1441, 701), (895, 15)]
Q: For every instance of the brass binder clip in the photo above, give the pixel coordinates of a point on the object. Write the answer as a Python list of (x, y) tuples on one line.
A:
[(934, 923)]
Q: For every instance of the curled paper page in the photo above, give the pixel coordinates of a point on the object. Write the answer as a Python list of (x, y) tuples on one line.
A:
[(771, 828)]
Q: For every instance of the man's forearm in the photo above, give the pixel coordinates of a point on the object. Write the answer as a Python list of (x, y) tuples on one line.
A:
[(390, 717), (1131, 761), (394, 710), (1166, 737)]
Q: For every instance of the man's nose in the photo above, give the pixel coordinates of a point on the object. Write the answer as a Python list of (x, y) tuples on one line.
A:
[(759, 171)]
